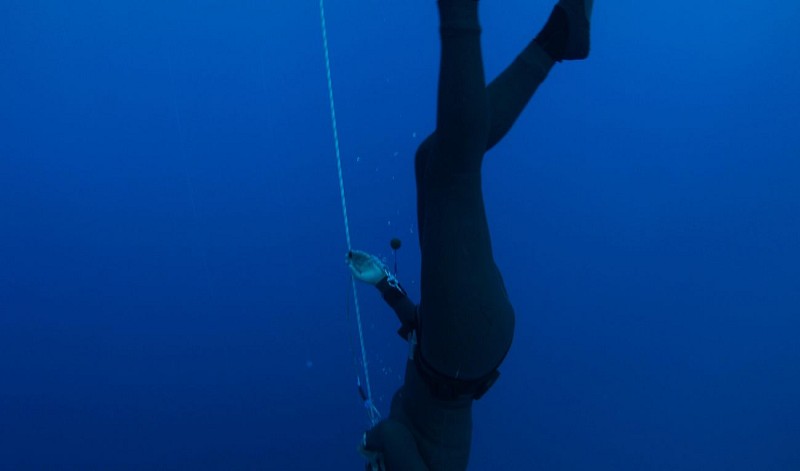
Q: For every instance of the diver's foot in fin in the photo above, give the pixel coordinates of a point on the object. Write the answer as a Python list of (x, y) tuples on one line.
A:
[(579, 13), (566, 36)]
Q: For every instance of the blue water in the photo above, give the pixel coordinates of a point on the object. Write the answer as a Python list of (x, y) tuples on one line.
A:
[(172, 286)]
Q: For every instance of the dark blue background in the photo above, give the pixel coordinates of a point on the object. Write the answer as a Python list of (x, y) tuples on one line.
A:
[(172, 292)]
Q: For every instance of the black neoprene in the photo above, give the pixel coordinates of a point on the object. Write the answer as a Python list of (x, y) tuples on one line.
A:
[(465, 322)]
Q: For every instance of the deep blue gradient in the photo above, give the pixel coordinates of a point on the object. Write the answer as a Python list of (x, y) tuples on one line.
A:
[(172, 286)]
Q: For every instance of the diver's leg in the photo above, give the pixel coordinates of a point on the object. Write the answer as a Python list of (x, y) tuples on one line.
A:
[(508, 94), (462, 123), (466, 321), (462, 118), (424, 155), (565, 36), (511, 91)]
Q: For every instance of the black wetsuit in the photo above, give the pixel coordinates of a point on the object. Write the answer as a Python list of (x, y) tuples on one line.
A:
[(464, 323)]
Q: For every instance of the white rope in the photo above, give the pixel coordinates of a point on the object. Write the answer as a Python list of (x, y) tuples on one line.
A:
[(374, 415)]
